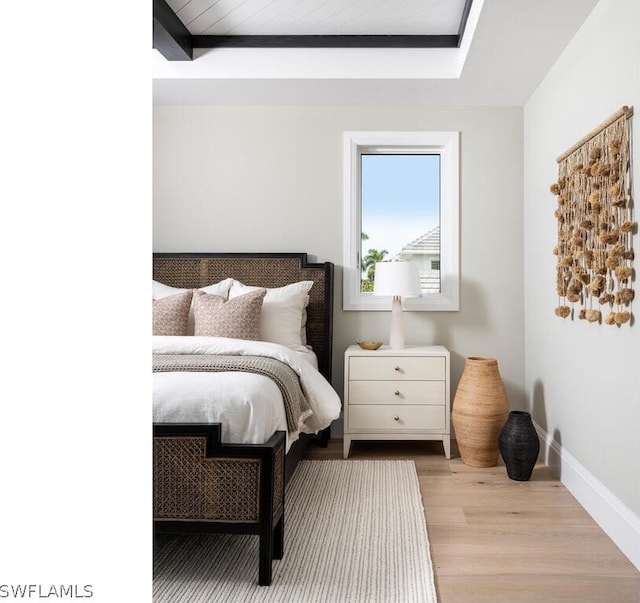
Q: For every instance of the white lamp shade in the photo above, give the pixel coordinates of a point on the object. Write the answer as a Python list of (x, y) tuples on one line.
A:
[(397, 278)]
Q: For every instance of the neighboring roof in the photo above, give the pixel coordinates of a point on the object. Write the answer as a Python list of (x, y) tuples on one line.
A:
[(428, 243)]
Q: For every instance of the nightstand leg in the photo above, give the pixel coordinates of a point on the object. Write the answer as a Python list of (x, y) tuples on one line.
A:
[(446, 442), (346, 447)]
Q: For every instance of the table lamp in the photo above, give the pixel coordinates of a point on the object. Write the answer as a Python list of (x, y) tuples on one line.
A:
[(398, 280)]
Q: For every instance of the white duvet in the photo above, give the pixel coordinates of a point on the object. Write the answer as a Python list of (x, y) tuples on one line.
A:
[(249, 406)]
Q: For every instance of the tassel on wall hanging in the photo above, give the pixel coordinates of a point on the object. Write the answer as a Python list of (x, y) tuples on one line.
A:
[(595, 226)]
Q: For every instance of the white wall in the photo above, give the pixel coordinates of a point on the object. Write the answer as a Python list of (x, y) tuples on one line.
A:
[(270, 179), (582, 380)]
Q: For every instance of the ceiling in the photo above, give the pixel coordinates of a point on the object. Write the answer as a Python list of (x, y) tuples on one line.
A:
[(360, 52), (181, 25), (304, 17)]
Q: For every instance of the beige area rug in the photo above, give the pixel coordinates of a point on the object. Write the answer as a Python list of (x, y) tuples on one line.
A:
[(354, 533)]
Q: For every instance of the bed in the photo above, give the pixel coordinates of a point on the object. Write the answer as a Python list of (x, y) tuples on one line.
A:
[(230, 422)]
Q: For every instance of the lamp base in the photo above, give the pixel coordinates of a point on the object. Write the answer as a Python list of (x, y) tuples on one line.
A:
[(396, 337)]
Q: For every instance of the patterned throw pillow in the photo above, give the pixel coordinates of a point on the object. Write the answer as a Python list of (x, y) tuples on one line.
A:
[(238, 318), (170, 314), (161, 290)]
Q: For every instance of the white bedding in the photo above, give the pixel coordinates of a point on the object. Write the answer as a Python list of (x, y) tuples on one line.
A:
[(249, 406)]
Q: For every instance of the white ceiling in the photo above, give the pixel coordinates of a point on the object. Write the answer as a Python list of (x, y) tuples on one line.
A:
[(514, 44), (304, 17)]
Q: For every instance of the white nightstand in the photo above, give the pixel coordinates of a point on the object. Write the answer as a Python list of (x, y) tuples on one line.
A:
[(397, 395)]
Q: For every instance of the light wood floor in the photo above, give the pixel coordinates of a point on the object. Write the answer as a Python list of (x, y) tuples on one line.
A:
[(498, 540)]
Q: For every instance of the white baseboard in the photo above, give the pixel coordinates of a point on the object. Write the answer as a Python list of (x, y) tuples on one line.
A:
[(618, 522)]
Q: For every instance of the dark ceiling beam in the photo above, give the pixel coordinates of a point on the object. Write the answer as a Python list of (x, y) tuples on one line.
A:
[(174, 41), (327, 41), (170, 37), (466, 9)]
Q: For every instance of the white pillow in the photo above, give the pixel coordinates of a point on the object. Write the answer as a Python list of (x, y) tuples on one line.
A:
[(161, 290), (284, 312)]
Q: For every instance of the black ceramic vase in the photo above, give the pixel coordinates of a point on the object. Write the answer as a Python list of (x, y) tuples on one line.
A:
[(519, 445)]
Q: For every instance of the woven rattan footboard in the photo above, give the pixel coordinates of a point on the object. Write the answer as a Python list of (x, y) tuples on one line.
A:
[(202, 485)]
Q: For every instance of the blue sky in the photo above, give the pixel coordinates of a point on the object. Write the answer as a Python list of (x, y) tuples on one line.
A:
[(400, 199)]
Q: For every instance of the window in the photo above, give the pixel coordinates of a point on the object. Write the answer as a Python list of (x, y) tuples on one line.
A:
[(401, 202)]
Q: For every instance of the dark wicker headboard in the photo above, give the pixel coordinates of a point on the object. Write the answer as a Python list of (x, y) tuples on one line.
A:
[(195, 270)]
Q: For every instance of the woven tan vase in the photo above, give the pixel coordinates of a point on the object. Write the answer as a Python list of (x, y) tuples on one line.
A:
[(480, 409)]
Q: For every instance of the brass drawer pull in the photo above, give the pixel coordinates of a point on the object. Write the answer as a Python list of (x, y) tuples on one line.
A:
[(397, 368), (397, 392), (396, 418)]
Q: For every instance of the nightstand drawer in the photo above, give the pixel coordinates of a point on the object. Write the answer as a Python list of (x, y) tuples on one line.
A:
[(396, 368), (392, 392), (399, 417)]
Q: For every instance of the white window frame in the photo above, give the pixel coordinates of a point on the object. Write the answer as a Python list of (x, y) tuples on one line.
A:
[(447, 145)]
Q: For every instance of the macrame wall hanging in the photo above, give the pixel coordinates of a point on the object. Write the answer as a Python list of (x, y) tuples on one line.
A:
[(595, 227)]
